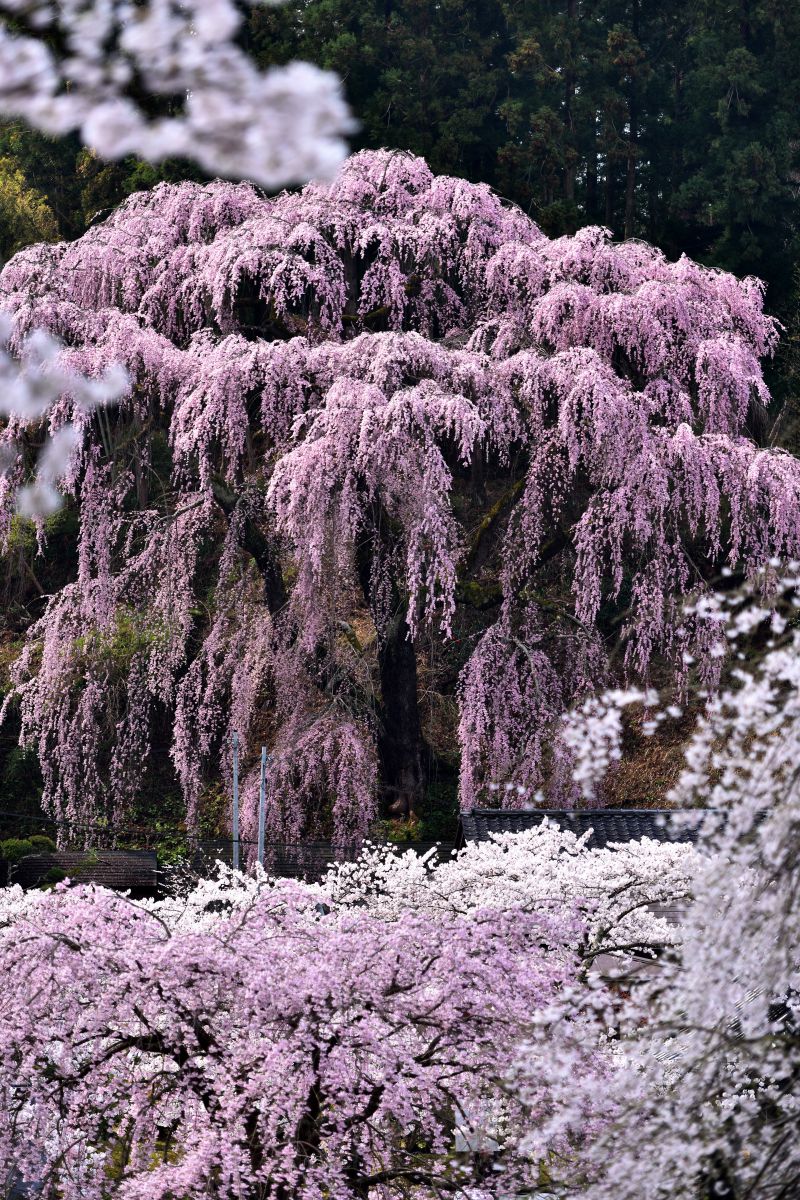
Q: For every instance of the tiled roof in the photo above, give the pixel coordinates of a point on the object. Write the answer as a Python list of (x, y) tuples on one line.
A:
[(302, 860), (120, 869), (607, 825), (292, 860)]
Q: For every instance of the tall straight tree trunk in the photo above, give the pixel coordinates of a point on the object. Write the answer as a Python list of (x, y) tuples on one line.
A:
[(569, 99), (609, 191), (400, 743), (591, 174), (630, 171), (653, 212), (401, 747), (633, 141)]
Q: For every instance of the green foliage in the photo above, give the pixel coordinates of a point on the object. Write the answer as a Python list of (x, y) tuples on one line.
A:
[(440, 815), (160, 812), (15, 849), (48, 166), (214, 809), (737, 124), (406, 830), (106, 184), (20, 780), (438, 821), (25, 215), (424, 75), (171, 844), (53, 876), (28, 574), (21, 537), (54, 188), (41, 844), (132, 632)]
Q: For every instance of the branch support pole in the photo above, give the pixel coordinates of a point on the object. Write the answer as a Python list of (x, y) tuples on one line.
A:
[(262, 805), (236, 801)]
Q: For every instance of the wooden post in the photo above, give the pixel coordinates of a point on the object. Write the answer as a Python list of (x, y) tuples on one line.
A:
[(236, 802), (262, 805)]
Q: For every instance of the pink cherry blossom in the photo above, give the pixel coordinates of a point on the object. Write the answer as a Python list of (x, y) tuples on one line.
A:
[(328, 369), (265, 1049)]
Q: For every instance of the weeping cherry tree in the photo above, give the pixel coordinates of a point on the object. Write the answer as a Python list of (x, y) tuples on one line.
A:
[(392, 467)]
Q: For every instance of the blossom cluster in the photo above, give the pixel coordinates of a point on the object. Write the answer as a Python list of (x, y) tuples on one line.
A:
[(95, 68), (622, 892), (706, 1092), (328, 368), (30, 386), (256, 1038)]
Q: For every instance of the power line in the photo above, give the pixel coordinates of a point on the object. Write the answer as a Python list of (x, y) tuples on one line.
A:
[(149, 835)]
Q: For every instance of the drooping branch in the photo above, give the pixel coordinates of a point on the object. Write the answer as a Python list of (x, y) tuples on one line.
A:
[(259, 547), (347, 374)]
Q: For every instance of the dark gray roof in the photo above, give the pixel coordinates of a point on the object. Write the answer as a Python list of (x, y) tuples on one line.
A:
[(123, 870), (607, 824), (301, 860)]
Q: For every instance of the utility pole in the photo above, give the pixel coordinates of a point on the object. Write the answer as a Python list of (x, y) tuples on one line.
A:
[(236, 801), (262, 805)]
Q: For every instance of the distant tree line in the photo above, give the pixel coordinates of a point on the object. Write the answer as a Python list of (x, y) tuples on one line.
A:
[(678, 123)]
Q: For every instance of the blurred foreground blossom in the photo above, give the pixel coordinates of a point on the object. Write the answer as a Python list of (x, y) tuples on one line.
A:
[(30, 384), (91, 66), (83, 65)]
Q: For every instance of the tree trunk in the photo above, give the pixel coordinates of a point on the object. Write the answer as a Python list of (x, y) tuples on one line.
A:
[(400, 742), (142, 482), (255, 543), (633, 142), (609, 220), (630, 176), (591, 175), (266, 560), (569, 97)]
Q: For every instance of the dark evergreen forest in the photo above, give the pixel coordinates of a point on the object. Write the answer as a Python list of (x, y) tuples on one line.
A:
[(678, 123)]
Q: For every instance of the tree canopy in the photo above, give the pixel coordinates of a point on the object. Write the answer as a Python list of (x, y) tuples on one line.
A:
[(427, 476), (673, 122), (352, 1039)]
